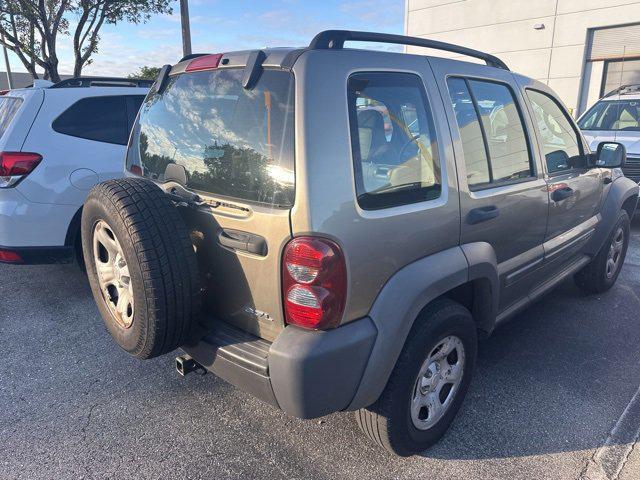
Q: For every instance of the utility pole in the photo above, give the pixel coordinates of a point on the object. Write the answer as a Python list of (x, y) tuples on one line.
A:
[(6, 62), (186, 29)]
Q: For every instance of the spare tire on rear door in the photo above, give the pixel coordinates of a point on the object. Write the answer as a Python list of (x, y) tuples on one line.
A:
[(141, 266)]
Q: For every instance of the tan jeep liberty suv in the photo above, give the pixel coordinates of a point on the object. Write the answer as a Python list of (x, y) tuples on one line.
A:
[(333, 229)]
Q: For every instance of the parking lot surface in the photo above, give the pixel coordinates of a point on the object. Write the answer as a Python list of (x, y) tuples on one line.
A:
[(555, 396)]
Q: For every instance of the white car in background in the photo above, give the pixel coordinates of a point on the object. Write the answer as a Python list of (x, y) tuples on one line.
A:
[(616, 118), (56, 142)]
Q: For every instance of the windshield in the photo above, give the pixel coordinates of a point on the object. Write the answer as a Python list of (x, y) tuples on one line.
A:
[(8, 108), (614, 115), (231, 141)]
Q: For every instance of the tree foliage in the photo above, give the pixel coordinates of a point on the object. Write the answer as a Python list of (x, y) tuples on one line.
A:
[(32, 28), (148, 73)]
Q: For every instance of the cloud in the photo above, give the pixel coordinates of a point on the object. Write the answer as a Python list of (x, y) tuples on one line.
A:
[(158, 33), (224, 26)]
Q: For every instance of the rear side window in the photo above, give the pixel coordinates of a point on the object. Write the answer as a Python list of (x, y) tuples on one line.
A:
[(494, 141), (231, 141), (8, 109), (103, 119), (393, 139)]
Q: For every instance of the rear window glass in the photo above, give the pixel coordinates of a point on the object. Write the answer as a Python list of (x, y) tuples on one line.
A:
[(393, 140), (231, 141), (103, 119), (8, 108)]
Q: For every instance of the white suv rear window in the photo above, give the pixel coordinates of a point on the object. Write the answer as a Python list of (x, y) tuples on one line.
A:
[(8, 108)]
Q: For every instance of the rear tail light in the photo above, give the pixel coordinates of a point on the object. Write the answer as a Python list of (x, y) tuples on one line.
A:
[(314, 282), (9, 256), (14, 166), (205, 62)]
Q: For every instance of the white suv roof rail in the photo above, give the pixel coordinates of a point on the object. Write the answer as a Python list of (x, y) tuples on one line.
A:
[(102, 82)]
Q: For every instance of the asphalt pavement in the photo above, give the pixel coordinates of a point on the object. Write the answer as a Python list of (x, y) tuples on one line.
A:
[(555, 396)]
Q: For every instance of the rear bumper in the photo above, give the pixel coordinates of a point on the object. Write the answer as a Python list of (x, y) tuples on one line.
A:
[(306, 373), (30, 225)]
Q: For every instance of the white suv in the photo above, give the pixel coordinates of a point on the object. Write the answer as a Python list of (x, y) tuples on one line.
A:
[(56, 142), (616, 118)]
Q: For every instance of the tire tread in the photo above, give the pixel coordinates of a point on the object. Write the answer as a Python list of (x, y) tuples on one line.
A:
[(160, 240)]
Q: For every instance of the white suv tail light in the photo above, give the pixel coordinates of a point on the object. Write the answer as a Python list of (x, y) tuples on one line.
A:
[(14, 166)]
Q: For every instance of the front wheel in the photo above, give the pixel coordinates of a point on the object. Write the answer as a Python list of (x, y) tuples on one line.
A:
[(428, 384), (601, 274)]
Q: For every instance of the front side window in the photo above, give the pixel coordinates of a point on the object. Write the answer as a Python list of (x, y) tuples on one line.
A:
[(560, 144), (494, 141), (393, 140), (103, 119)]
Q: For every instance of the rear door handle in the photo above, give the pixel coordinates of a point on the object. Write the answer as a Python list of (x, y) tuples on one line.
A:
[(562, 194), (239, 240), (482, 214)]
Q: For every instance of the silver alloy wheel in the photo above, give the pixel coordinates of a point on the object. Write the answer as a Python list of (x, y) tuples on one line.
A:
[(438, 381), (615, 253), (113, 274)]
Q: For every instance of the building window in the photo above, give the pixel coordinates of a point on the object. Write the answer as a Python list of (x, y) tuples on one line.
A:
[(617, 73)]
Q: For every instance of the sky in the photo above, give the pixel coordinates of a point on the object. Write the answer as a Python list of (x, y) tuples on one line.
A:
[(227, 25)]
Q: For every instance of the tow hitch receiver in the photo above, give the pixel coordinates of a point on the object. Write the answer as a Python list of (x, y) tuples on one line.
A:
[(185, 364)]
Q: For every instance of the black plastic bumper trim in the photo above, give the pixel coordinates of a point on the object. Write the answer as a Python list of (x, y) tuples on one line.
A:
[(235, 356)]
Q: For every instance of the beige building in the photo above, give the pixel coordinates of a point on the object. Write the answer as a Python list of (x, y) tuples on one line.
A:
[(580, 48)]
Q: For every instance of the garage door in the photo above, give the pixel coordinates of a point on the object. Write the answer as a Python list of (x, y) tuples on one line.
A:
[(615, 42), (619, 48)]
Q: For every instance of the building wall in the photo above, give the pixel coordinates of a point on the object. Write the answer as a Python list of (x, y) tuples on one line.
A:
[(543, 39)]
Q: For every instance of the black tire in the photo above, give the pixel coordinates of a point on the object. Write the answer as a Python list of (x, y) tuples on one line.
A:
[(388, 421), (593, 278), (161, 261)]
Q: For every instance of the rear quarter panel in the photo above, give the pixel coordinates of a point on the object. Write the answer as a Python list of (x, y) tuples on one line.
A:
[(15, 135), (89, 161), (376, 243)]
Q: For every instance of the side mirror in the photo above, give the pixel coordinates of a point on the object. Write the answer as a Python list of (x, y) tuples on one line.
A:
[(610, 155)]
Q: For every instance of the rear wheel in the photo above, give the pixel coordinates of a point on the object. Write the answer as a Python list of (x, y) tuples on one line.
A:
[(601, 274), (141, 266), (428, 384)]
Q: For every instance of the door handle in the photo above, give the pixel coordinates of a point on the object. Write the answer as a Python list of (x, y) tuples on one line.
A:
[(562, 194), (238, 240), (482, 214)]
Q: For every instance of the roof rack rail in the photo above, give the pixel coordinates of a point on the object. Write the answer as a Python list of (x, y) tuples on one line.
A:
[(192, 56), (102, 82), (334, 39), (631, 88)]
